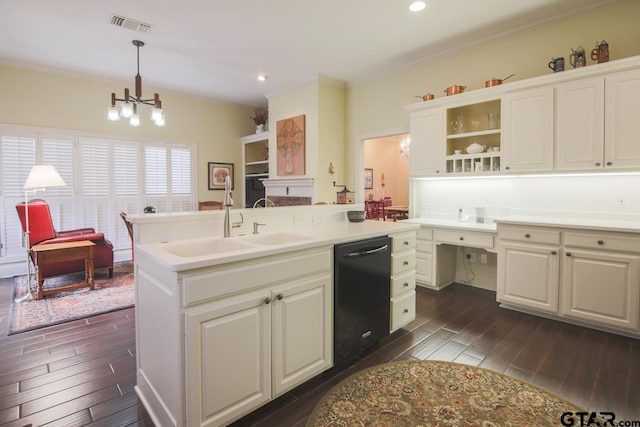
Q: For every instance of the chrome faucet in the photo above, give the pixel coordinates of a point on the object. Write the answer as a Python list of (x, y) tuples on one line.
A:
[(228, 202)]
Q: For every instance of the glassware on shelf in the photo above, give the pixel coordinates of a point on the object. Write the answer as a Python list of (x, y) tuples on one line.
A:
[(494, 120)]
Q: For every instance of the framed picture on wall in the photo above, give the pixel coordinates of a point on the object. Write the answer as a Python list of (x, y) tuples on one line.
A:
[(368, 179), (217, 174)]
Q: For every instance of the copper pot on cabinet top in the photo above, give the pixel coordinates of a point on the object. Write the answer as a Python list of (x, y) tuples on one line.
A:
[(496, 82), (455, 89)]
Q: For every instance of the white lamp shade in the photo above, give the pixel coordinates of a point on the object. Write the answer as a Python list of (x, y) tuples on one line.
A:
[(43, 176)]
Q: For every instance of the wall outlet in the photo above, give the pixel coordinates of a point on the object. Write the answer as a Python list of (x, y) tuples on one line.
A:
[(302, 219), (621, 201), (317, 218), (483, 258), (471, 257)]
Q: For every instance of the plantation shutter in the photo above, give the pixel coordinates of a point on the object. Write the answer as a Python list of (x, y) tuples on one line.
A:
[(59, 153), (18, 155), (95, 180), (181, 179), (126, 187)]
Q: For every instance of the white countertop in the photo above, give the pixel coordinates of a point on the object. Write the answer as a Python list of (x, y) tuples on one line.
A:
[(626, 226), (629, 226), (315, 235), (454, 224)]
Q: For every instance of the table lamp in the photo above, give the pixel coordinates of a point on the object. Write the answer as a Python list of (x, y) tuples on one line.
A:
[(40, 177)]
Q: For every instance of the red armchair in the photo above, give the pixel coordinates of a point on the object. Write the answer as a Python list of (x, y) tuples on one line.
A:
[(42, 233)]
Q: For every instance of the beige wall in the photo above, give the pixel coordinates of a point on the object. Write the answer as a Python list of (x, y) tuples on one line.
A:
[(322, 103), (55, 101), (377, 105)]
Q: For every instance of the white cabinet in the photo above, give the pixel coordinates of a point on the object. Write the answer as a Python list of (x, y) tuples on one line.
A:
[(228, 358), (588, 276), (245, 350), (527, 130), (424, 256), (528, 276), (595, 123), (580, 125), (529, 267), (403, 280), (426, 143), (622, 92), (601, 279)]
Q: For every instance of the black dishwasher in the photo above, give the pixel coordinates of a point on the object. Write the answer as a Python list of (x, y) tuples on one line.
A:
[(362, 271)]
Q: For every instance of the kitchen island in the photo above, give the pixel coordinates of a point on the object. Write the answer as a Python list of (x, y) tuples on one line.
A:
[(224, 325)]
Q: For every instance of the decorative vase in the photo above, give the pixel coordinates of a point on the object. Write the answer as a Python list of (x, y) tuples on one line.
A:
[(260, 128)]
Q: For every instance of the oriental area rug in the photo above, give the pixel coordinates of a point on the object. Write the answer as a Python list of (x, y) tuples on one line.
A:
[(109, 295), (432, 393)]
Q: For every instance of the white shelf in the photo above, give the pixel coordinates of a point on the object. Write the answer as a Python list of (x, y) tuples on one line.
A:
[(473, 164), (259, 162), (474, 134)]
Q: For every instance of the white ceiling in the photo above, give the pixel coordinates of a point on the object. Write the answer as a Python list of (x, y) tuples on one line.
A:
[(214, 48)]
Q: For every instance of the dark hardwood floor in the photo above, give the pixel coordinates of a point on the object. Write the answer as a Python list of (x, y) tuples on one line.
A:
[(83, 372)]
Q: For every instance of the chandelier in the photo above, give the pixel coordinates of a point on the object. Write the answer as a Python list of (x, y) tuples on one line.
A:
[(405, 148), (129, 104)]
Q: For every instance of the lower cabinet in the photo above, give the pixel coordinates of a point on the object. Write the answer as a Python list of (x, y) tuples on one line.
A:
[(529, 276), (588, 276), (403, 280), (245, 350), (424, 256), (601, 287)]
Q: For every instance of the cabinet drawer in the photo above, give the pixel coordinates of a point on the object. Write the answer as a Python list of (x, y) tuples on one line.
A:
[(605, 241), (531, 235), (403, 310), (403, 283), (464, 238), (403, 261), (424, 234), (401, 242)]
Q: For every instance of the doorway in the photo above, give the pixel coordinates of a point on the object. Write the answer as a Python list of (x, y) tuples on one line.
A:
[(386, 168)]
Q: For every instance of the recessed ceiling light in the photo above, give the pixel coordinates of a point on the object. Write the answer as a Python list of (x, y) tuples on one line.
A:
[(417, 6), (261, 77)]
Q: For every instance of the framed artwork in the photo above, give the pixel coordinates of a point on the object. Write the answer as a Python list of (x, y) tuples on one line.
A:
[(217, 173), (290, 142), (368, 179)]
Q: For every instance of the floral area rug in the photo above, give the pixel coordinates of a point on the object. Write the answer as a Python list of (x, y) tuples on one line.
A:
[(430, 393), (109, 295)]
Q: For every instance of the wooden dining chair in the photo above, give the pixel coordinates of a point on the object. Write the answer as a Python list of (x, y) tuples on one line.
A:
[(374, 209), (209, 206)]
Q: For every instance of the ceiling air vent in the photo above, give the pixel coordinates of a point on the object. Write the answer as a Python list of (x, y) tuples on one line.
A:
[(130, 24)]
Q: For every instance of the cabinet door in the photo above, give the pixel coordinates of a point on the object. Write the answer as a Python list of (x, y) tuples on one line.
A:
[(622, 92), (424, 268), (227, 358), (427, 142), (528, 276), (302, 331), (527, 130), (601, 287), (580, 125)]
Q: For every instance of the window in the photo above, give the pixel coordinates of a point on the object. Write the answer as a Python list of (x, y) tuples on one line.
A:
[(104, 176)]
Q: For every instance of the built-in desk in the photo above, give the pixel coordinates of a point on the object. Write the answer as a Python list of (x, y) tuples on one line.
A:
[(437, 243)]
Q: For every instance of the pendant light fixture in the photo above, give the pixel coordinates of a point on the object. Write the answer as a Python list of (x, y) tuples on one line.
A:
[(129, 104)]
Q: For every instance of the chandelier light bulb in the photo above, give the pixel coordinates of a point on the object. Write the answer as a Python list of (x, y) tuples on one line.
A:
[(113, 114), (126, 110), (134, 120), (159, 121), (156, 114), (417, 6)]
